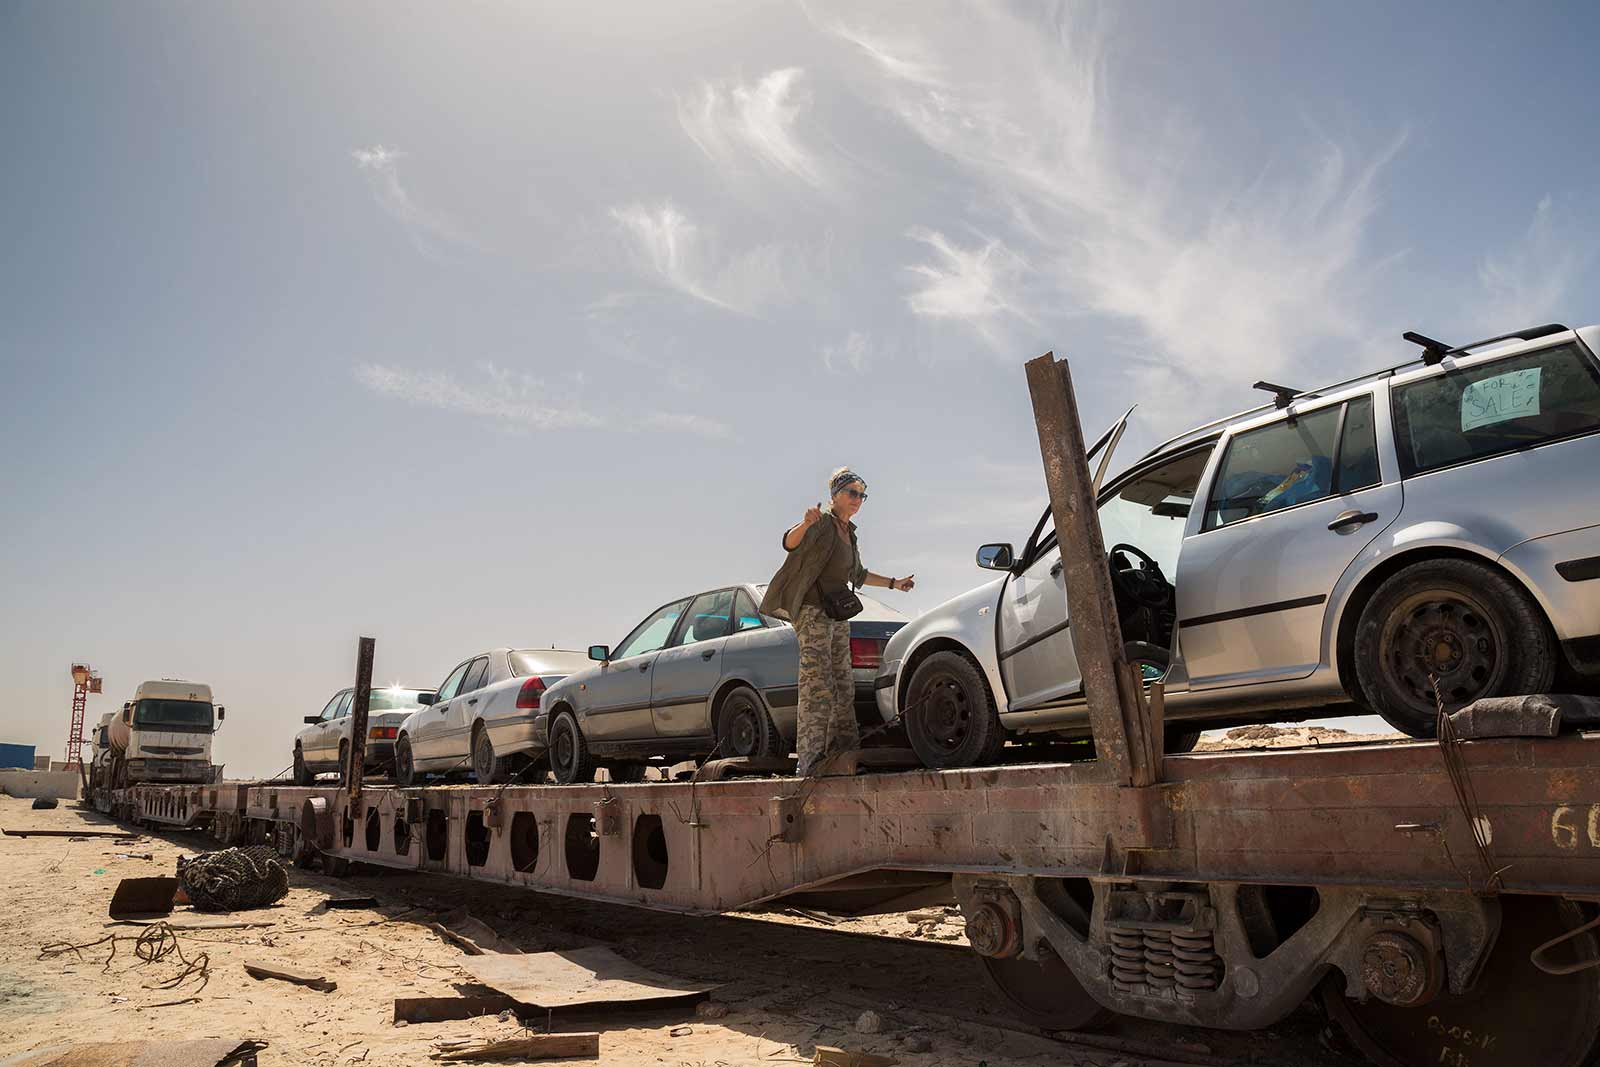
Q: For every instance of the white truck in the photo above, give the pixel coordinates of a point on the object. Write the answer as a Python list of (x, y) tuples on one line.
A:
[(163, 734)]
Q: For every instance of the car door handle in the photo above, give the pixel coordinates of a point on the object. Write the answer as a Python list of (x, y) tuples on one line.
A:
[(644, 666), (708, 653), (1055, 569), (1352, 518), (474, 700)]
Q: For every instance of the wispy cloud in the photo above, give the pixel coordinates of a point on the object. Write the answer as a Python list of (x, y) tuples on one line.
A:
[(427, 230), (972, 284), (677, 252), (852, 355), (1116, 217), (507, 398), (1532, 281), (516, 400), (734, 121)]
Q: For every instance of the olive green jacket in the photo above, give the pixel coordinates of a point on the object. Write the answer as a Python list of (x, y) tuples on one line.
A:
[(804, 565)]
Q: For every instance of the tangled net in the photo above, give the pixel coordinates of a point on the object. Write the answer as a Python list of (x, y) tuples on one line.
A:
[(234, 879)]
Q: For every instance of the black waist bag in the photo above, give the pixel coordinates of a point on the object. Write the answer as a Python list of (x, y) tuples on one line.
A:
[(841, 605)]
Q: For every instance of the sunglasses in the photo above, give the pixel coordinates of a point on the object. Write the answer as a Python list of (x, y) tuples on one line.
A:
[(855, 494)]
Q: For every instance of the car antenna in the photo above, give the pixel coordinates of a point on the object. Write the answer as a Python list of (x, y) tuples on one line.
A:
[(1282, 395), (1432, 351)]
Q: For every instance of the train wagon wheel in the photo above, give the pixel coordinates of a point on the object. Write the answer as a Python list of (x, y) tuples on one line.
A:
[(1045, 993), (1517, 1015)]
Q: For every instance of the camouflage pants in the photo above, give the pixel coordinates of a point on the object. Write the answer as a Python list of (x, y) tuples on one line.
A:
[(826, 721)]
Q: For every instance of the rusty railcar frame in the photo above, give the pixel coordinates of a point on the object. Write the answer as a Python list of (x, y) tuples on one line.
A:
[(1150, 877)]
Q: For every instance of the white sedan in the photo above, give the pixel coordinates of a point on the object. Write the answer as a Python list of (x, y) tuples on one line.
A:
[(325, 741), (482, 715)]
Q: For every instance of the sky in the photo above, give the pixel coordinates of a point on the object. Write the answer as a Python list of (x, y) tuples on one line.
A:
[(462, 326)]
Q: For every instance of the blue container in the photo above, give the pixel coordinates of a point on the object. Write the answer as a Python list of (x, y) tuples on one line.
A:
[(16, 756)]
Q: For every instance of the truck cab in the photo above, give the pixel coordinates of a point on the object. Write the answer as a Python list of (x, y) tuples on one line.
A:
[(164, 733)]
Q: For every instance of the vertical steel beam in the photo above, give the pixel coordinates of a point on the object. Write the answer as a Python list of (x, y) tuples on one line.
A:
[(358, 720), (1127, 729)]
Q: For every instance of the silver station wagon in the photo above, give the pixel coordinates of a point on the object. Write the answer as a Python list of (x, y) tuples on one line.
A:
[(1437, 523), (704, 674)]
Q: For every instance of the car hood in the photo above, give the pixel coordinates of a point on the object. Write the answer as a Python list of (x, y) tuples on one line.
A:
[(986, 594)]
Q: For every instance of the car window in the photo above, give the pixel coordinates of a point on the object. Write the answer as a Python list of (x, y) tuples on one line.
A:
[(746, 617), (711, 615), (1498, 407), (344, 703), (475, 675), (652, 634), (394, 700), (1150, 511), (1358, 449), (1273, 467), (452, 683), (332, 707)]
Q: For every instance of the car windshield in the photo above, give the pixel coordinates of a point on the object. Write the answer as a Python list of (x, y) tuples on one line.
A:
[(194, 715), (394, 700)]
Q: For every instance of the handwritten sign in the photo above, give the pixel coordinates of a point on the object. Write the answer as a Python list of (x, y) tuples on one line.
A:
[(1512, 395)]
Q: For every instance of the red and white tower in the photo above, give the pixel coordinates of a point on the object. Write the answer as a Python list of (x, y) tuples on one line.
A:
[(84, 682)]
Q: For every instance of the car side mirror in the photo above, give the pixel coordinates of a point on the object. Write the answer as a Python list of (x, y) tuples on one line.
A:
[(313, 719), (996, 557), (427, 699), (222, 713), (600, 653)]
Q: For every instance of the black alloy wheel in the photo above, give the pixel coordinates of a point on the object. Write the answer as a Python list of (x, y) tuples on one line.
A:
[(302, 773), (1462, 623), (744, 729), (569, 752), (949, 715), (405, 770)]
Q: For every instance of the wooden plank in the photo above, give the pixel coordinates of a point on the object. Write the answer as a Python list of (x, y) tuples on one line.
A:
[(537, 1047), (828, 1056)]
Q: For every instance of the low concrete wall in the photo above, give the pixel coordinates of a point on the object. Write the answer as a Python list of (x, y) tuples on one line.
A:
[(63, 784)]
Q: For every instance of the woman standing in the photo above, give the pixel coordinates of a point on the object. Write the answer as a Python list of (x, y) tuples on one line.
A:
[(813, 591)]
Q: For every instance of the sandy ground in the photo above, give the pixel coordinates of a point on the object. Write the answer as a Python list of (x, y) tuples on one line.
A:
[(788, 982)]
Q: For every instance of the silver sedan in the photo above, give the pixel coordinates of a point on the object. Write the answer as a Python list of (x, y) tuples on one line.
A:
[(324, 744)]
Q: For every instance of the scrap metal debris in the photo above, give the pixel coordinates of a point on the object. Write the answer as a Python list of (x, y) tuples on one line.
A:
[(207, 1052), (234, 879), (152, 944), (143, 897), (259, 971), (594, 975)]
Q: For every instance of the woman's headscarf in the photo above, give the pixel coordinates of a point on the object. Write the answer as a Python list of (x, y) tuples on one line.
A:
[(842, 477)]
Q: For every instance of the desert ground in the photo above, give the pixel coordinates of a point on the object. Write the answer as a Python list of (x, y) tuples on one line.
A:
[(788, 982)]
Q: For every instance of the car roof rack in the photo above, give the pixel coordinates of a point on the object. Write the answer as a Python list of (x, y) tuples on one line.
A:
[(1531, 333)]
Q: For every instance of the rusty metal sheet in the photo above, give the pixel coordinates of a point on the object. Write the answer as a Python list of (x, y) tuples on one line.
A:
[(143, 897), (207, 1052), (594, 975)]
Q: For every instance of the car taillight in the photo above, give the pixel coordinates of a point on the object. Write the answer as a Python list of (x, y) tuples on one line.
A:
[(528, 695), (867, 652), (383, 733)]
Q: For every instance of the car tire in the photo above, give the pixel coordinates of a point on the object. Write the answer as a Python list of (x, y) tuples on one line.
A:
[(488, 768), (1180, 741), (302, 773), (1478, 631), (405, 767), (344, 760), (569, 752), (744, 729), (950, 715)]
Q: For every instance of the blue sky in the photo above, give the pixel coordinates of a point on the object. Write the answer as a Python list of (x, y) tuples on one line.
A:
[(469, 326)]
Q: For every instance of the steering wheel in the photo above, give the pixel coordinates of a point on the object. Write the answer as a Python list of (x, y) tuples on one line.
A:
[(1146, 586)]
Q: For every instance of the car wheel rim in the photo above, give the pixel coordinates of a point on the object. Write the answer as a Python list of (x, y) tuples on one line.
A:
[(742, 730), (1449, 636), (946, 712), (482, 758), (564, 747)]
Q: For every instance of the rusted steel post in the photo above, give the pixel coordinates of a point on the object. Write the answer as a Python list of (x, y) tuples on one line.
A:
[(1127, 730), (358, 719)]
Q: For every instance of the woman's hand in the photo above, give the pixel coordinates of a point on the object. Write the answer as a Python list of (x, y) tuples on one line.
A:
[(813, 514), (903, 585)]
